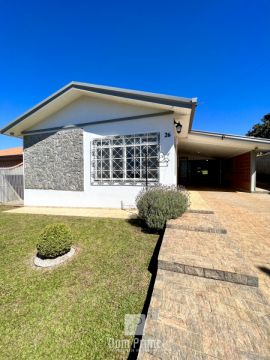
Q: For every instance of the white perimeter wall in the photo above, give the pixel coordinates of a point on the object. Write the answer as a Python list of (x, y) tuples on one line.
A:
[(83, 110)]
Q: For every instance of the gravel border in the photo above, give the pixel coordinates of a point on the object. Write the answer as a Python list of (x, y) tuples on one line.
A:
[(47, 263)]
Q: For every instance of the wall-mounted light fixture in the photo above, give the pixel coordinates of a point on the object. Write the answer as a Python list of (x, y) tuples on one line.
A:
[(178, 126)]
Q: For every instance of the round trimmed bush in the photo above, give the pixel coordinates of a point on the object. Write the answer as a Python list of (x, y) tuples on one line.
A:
[(158, 204), (55, 240)]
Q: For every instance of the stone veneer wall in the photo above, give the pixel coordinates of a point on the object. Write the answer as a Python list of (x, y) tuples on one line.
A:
[(54, 160)]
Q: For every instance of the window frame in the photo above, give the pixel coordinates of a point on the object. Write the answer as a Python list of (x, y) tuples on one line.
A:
[(142, 142)]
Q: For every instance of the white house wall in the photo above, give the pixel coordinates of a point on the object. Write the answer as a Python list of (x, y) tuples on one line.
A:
[(104, 196), (87, 109)]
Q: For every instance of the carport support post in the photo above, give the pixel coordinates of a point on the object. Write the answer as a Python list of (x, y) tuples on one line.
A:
[(253, 171)]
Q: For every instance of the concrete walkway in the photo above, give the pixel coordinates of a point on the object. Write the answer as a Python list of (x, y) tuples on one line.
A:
[(84, 212), (196, 200), (206, 303)]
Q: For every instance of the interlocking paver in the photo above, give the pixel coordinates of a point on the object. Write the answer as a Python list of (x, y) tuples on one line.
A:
[(210, 255), (197, 222), (247, 220), (203, 318), (199, 318)]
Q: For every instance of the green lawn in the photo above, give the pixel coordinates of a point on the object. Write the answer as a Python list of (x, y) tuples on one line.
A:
[(70, 312)]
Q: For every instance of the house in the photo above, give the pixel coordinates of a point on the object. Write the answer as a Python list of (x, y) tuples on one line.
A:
[(97, 146), (11, 157)]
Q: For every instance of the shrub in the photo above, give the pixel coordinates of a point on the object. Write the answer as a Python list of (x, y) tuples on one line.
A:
[(54, 240), (158, 204)]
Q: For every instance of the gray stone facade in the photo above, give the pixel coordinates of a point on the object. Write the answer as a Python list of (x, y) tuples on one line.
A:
[(54, 161)]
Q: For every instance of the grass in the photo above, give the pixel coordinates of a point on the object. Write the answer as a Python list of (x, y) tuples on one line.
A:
[(70, 312)]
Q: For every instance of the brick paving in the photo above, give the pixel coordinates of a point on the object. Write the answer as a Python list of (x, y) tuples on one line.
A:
[(196, 317), (247, 220), (210, 255), (198, 222)]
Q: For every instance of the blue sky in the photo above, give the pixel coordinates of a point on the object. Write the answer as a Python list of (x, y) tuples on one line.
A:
[(218, 51)]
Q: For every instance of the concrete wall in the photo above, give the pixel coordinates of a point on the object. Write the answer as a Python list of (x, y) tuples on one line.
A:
[(238, 172), (93, 195)]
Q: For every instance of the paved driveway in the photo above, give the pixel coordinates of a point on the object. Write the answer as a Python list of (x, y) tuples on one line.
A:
[(247, 220), (202, 306)]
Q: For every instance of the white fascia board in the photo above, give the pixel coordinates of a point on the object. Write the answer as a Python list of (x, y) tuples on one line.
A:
[(40, 112), (217, 147), (231, 137), (74, 89)]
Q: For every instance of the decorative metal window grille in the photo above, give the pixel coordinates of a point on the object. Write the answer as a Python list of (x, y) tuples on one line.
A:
[(125, 160)]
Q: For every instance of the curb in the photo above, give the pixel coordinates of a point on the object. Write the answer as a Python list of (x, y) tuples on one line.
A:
[(215, 274)]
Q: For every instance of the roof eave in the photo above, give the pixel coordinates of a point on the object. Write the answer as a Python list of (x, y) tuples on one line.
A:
[(35, 108), (105, 90), (232, 137)]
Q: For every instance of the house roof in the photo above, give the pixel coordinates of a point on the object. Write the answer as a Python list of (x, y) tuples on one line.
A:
[(232, 137), (68, 93), (11, 151), (217, 145)]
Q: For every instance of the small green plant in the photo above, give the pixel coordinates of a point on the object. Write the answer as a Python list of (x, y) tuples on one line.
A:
[(158, 204), (54, 240)]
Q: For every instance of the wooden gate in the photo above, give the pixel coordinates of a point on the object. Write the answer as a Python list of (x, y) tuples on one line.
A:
[(11, 184)]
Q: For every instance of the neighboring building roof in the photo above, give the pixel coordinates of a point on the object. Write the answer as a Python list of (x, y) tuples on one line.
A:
[(147, 97), (12, 151)]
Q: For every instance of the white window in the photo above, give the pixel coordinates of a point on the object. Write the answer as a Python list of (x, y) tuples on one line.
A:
[(125, 160)]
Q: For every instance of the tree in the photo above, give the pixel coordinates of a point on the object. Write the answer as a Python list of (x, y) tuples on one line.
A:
[(261, 129)]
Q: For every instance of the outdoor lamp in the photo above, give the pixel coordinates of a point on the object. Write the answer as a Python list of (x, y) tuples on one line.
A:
[(178, 126)]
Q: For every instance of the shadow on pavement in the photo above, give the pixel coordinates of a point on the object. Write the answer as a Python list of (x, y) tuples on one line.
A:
[(264, 270), (152, 268)]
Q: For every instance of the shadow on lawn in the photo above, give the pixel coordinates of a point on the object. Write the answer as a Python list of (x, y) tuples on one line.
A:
[(141, 225), (152, 268)]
